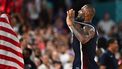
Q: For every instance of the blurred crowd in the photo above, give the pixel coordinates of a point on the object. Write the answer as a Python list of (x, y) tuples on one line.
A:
[(45, 38)]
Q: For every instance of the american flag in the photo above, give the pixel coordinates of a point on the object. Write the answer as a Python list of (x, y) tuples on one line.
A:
[(10, 51)]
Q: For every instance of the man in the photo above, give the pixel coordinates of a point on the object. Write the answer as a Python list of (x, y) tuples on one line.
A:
[(108, 60), (29, 64), (84, 38), (106, 24), (46, 63)]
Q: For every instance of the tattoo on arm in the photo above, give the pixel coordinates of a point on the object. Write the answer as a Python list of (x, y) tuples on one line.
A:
[(83, 34)]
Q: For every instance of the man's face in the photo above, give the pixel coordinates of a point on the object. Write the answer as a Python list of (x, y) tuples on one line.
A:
[(26, 54), (81, 13), (84, 12), (45, 59), (106, 16), (115, 46)]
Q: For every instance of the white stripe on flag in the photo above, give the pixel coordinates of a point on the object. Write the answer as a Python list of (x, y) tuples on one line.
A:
[(3, 24), (10, 54), (6, 34), (10, 63), (10, 45)]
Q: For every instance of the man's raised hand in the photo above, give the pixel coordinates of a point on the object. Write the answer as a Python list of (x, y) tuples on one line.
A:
[(70, 17)]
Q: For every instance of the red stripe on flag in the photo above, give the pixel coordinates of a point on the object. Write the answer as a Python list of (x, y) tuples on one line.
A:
[(11, 50), (12, 60), (3, 20), (6, 67), (8, 30), (9, 40), (9, 18)]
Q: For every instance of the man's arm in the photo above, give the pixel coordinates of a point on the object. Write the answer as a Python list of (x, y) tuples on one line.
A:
[(84, 34)]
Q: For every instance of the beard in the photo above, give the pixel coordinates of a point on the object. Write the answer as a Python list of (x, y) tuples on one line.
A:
[(79, 18)]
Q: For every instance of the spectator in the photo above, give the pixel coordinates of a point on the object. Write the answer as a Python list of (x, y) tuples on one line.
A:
[(108, 60), (106, 24), (59, 26), (64, 55), (55, 56), (101, 47), (57, 65), (119, 35), (46, 63), (29, 64), (33, 14)]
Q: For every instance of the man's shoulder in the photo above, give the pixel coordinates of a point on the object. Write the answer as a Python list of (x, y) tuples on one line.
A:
[(105, 54)]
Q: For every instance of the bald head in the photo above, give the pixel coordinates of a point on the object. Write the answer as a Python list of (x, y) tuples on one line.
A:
[(89, 9), (87, 12)]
